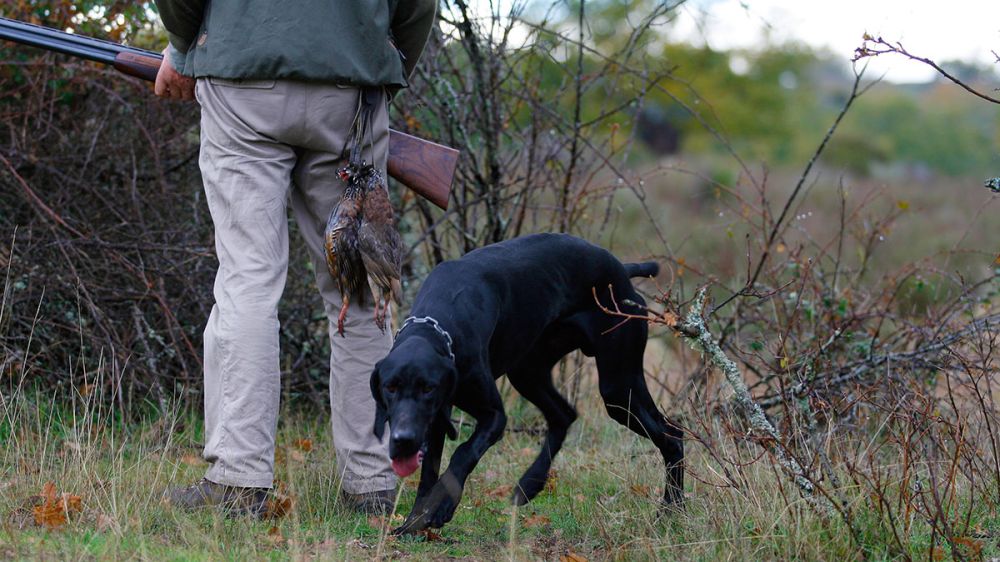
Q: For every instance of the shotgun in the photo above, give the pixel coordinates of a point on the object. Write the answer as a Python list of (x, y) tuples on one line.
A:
[(425, 167)]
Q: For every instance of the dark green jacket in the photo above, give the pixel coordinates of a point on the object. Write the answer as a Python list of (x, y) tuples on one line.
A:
[(350, 42)]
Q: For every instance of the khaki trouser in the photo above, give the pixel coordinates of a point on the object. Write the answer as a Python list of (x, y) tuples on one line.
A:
[(265, 143)]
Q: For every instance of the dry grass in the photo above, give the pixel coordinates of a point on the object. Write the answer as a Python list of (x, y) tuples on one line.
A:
[(599, 506)]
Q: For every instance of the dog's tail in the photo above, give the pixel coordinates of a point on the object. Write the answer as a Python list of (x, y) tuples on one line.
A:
[(644, 269)]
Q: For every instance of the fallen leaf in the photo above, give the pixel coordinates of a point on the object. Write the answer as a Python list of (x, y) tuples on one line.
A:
[(527, 452), (501, 491), (278, 506), (431, 535), (86, 389), (536, 520), (550, 484), (275, 537), (55, 508), (640, 490), (975, 547), (572, 557), (295, 455), (304, 445)]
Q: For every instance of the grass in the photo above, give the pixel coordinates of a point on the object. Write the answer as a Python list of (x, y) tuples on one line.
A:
[(599, 506)]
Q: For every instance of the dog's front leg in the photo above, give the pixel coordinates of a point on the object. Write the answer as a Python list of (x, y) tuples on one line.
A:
[(431, 465), (437, 507)]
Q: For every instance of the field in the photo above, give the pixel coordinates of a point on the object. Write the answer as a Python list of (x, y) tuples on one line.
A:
[(599, 506), (853, 279)]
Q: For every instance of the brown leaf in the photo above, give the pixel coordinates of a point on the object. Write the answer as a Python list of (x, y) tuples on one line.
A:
[(536, 520), (975, 547), (640, 490), (55, 508), (431, 535), (296, 455), (275, 537), (572, 557), (502, 491), (304, 445), (278, 506), (550, 484), (668, 318)]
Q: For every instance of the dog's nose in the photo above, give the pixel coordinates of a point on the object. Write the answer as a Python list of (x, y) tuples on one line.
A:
[(404, 441)]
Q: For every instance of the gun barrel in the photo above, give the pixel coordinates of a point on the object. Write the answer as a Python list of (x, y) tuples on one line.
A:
[(88, 48)]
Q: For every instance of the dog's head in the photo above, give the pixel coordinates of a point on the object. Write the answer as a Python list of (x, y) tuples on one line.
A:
[(413, 388)]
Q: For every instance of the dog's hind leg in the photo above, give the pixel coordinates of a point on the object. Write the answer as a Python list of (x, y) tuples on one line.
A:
[(623, 388), (534, 382)]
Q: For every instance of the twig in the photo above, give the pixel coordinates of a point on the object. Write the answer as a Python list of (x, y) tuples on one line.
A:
[(694, 323), (883, 47)]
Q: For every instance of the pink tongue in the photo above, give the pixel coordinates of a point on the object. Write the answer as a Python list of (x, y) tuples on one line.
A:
[(407, 466)]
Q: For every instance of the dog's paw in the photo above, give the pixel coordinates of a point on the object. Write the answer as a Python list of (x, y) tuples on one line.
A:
[(442, 514), (421, 518), (411, 526)]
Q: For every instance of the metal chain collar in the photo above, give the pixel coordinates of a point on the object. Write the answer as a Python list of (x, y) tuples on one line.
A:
[(434, 324)]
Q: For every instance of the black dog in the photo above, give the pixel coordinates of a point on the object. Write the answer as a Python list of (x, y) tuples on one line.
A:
[(513, 308)]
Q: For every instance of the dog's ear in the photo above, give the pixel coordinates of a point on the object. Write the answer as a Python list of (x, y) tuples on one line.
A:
[(448, 383), (444, 418), (381, 415)]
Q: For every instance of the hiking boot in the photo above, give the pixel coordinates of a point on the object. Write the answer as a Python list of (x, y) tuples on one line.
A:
[(233, 500), (371, 503)]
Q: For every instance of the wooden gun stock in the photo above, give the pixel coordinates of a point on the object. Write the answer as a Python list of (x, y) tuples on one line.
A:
[(425, 167)]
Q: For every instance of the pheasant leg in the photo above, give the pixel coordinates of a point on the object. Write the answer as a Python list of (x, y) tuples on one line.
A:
[(343, 314)]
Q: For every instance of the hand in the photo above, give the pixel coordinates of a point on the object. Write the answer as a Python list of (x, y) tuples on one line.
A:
[(171, 84)]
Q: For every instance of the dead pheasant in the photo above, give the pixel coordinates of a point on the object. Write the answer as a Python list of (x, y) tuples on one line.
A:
[(343, 256), (380, 245)]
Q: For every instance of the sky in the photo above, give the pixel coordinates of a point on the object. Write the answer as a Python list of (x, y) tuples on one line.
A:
[(939, 30)]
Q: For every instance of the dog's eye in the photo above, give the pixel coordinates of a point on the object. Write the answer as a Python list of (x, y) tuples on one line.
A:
[(391, 388), (426, 388)]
